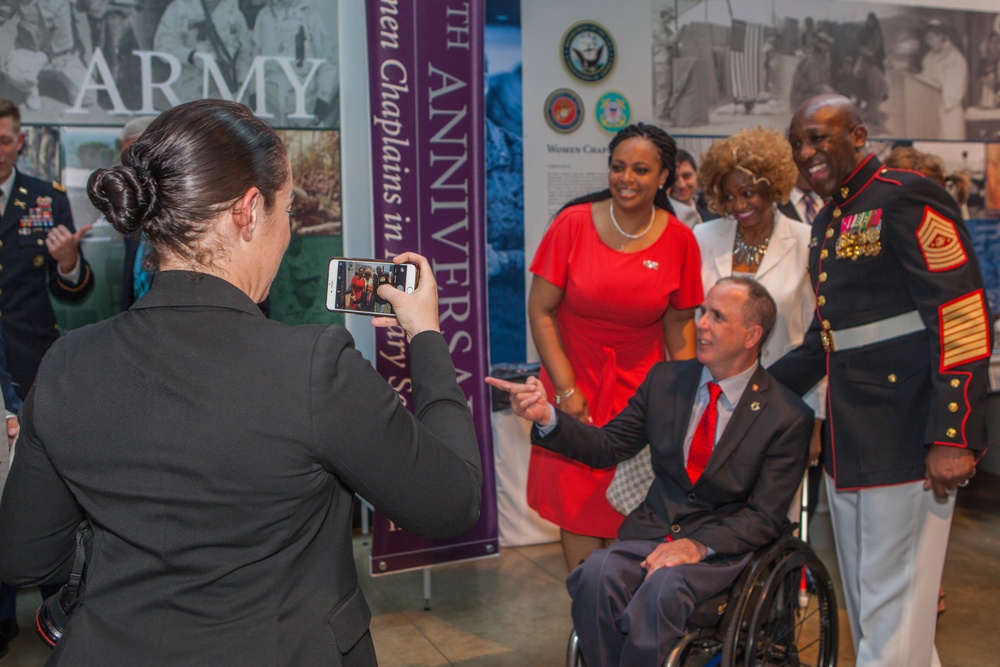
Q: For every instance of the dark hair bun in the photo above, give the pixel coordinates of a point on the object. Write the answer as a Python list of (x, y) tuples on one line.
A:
[(125, 195)]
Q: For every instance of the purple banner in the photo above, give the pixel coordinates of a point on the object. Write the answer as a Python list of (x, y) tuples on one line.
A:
[(427, 92)]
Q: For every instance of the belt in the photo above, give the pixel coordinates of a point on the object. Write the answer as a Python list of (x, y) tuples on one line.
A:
[(873, 332)]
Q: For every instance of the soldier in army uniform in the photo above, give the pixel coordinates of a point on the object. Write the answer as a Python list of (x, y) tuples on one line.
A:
[(40, 251), (902, 331), (213, 28), (45, 40)]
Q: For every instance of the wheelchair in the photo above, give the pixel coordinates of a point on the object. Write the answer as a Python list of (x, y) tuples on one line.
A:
[(781, 612)]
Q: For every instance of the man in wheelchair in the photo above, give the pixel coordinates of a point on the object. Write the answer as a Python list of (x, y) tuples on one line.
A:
[(729, 445)]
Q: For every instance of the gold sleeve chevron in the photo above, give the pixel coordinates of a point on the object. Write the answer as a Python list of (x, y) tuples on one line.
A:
[(965, 330), (939, 242)]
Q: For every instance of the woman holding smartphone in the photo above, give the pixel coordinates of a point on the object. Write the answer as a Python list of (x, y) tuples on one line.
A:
[(617, 278), (216, 453)]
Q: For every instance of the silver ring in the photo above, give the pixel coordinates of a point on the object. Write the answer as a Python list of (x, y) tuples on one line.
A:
[(964, 484)]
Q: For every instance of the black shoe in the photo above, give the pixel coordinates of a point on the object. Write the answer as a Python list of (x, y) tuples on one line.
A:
[(9, 629)]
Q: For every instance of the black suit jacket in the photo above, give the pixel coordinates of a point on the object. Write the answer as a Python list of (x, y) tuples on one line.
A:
[(741, 500), (788, 208), (217, 453), (28, 272)]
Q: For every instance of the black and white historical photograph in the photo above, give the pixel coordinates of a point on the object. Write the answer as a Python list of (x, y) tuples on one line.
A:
[(85, 62), (914, 72)]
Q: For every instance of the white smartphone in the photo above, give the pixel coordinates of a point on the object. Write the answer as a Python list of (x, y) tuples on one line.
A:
[(352, 284)]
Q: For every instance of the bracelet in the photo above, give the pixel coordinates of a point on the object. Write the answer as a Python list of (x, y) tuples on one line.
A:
[(569, 392)]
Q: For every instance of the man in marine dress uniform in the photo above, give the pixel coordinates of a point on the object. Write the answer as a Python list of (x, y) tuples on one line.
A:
[(902, 332), (39, 251)]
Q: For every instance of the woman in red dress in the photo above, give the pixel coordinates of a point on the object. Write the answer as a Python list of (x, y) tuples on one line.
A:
[(358, 284), (617, 279)]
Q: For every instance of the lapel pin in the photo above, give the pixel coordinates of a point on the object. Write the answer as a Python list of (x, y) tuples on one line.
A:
[(755, 406)]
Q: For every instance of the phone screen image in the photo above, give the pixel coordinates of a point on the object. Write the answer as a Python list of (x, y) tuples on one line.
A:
[(353, 285)]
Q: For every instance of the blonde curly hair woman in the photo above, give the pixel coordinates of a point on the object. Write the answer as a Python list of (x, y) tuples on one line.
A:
[(744, 177)]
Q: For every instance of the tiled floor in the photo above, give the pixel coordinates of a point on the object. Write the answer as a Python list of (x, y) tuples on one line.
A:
[(513, 610)]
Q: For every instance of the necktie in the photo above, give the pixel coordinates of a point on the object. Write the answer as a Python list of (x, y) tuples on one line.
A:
[(703, 440), (810, 207)]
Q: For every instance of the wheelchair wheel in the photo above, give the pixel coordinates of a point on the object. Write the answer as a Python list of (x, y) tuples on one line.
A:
[(573, 656), (789, 618)]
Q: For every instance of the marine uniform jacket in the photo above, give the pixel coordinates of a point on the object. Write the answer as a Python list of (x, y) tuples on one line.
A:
[(892, 242), (28, 272), (741, 500)]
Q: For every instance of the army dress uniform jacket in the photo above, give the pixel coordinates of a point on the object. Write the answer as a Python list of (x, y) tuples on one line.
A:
[(28, 272), (901, 327)]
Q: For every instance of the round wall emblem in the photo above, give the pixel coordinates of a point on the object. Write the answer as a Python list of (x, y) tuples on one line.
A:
[(612, 111), (588, 51), (563, 110)]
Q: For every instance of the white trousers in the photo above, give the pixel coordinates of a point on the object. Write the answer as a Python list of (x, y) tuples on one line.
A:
[(891, 544)]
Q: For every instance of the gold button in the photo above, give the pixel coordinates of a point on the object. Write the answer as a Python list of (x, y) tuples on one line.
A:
[(953, 407), (829, 233), (951, 433), (824, 253), (955, 384), (821, 300), (1, 244), (826, 325), (844, 191), (41, 241), (836, 212), (676, 528), (822, 277), (892, 378)]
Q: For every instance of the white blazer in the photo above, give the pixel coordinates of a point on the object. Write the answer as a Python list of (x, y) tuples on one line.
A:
[(783, 271)]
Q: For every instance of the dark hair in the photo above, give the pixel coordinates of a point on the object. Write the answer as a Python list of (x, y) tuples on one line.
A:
[(667, 148), (189, 165), (9, 110), (759, 307), (683, 156)]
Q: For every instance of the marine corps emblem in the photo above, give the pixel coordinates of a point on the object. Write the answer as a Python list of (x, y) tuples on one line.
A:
[(563, 110)]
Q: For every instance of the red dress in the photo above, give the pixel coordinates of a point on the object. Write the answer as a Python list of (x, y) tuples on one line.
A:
[(610, 321), (357, 286)]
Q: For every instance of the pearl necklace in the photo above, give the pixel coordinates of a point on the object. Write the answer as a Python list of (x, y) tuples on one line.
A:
[(745, 253), (621, 231)]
